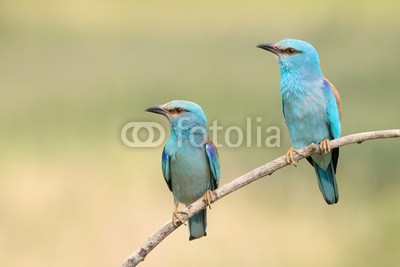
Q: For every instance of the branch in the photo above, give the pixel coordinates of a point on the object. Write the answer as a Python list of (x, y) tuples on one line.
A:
[(266, 169)]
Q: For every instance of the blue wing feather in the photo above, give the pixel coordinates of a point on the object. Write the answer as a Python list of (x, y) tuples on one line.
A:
[(213, 160), (166, 168), (332, 110)]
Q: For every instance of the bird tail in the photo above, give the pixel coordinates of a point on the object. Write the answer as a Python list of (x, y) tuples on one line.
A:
[(198, 224), (327, 183)]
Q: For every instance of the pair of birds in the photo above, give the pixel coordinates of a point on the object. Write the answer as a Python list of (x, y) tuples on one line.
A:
[(311, 108)]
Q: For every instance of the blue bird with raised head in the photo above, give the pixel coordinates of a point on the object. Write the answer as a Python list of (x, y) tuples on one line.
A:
[(311, 108), (190, 162)]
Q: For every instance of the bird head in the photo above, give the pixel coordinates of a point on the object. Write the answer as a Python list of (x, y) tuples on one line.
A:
[(295, 57), (182, 115)]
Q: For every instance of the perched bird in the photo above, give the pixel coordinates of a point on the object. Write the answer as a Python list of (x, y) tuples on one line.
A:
[(311, 108), (190, 162)]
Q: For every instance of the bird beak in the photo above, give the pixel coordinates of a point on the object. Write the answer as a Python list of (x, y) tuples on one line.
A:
[(157, 110), (269, 47)]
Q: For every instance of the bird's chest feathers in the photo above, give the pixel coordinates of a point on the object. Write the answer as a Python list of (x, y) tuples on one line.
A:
[(190, 173), (187, 160), (305, 114), (304, 105)]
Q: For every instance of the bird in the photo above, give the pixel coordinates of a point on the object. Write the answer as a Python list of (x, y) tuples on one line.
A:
[(312, 109), (190, 161)]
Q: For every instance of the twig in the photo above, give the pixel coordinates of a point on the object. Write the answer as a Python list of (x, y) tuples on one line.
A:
[(266, 169)]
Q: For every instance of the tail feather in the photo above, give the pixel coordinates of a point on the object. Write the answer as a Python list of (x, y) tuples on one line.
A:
[(198, 224), (327, 183), (335, 157)]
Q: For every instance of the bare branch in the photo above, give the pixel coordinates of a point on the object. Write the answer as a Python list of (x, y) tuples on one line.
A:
[(266, 169)]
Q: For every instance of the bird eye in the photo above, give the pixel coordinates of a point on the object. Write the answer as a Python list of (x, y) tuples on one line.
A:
[(178, 110), (290, 50)]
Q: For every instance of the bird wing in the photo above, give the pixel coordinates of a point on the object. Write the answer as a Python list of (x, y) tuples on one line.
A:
[(213, 159), (333, 108), (337, 97), (166, 168), (334, 113), (283, 110)]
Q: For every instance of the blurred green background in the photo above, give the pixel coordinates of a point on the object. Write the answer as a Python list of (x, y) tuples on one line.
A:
[(72, 73)]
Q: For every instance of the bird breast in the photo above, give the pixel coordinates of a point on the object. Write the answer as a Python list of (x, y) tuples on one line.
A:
[(305, 116), (190, 174)]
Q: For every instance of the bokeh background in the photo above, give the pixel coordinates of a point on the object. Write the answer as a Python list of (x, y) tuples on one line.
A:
[(72, 73)]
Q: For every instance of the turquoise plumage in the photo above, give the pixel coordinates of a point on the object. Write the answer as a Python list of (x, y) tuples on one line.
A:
[(190, 162), (311, 107)]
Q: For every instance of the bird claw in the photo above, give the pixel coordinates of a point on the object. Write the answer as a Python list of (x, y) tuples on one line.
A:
[(208, 198), (175, 216), (290, 158), (324, 146), (176, 219)]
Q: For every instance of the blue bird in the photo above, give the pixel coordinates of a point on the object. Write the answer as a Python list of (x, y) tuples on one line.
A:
[(311, 108), (190, 162)]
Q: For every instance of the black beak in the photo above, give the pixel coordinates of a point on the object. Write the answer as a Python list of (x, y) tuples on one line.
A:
[(269, 47), (156, 109)]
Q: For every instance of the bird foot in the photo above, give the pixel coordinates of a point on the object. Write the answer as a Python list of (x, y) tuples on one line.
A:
[(208, 198), (176, 219), (289, 156), (324, 146), (175, 216)]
